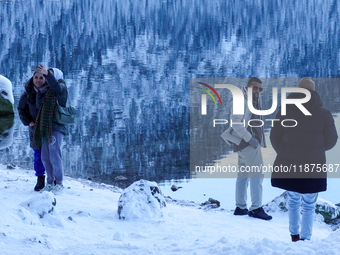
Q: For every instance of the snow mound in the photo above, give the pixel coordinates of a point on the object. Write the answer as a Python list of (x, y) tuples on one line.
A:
[(119, 236), (40, 210), (328, 210), (278, 204), (6, 96), (267, 246), (141, 200)]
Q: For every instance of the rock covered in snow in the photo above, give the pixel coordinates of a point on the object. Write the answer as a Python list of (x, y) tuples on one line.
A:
[(40, 210), (278, 203), (175, 187), (213, 203), (141, 200), (6, 131), (6, 97), (328, 210)]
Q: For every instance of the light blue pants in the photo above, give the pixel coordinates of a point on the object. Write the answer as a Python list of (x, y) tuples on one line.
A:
[(51, 158), (307, 210), (249, 157)]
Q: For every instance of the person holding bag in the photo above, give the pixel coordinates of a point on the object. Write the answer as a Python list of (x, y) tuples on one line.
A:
[(47, 133)]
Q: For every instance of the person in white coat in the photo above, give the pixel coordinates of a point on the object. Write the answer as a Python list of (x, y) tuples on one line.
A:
[(247, 142)]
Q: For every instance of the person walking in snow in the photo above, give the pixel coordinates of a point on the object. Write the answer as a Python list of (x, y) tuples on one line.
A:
[(247, 143), (28, 112), (47, 133), (303, 147)]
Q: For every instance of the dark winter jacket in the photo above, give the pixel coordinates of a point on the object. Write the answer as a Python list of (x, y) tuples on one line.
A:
[(303, 144), (30, 102), (27, 108)]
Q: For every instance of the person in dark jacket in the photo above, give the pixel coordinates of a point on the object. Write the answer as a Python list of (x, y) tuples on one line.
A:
[(299, 148), (47, 133), (28, 114)]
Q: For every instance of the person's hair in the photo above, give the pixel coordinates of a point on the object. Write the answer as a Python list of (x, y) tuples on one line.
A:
[(306, 83), (31, 93), (254, 79)]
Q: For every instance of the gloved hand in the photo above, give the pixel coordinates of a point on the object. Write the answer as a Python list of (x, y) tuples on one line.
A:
[(254, 142)]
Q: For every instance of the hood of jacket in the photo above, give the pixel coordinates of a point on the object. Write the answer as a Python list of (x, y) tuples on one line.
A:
[(58, 74)]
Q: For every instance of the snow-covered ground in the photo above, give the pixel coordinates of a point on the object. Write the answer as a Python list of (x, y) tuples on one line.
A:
[(84, 220), (221, 187)]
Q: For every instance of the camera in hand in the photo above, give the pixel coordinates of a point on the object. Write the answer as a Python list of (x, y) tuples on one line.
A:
[(34, 68)]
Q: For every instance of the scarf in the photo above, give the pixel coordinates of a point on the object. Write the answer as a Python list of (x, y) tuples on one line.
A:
[(43, 124)]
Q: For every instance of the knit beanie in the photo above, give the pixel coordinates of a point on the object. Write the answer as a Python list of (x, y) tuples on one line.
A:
[(306, 83)]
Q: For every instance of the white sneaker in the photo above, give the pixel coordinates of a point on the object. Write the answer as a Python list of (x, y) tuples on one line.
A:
[(48, 187), (58, 188)]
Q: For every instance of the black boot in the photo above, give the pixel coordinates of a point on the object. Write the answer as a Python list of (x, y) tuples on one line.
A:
[(40, 183), (295, 238)]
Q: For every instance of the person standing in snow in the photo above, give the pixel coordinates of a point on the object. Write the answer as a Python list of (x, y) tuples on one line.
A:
[(303, 145), (247, 142), (47, 133), (28, 112)]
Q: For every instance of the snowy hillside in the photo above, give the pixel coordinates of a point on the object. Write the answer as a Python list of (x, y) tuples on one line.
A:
[(83, 220)]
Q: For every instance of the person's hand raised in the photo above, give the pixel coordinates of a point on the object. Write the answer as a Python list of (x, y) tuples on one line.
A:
[(42, 69)]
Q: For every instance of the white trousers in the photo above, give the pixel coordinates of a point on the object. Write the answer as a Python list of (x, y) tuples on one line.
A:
[(249, 162)]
